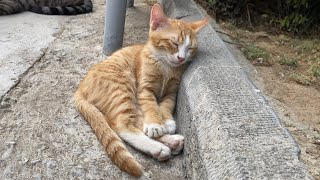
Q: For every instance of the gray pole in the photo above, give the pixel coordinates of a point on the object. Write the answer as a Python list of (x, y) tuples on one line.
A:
[(114, 25), (130, 3)]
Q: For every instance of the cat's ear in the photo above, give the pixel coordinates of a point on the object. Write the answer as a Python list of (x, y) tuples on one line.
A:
[(157, 18), (196, 26)]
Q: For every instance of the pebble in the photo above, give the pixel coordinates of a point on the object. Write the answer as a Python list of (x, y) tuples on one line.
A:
[(33, 162), (86, 160), (11, 142), (317, 142), (37, 177), (148, 174), (25, 161)]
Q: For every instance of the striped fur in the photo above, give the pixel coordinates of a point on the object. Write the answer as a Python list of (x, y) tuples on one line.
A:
[(131, 95), (49, 7)]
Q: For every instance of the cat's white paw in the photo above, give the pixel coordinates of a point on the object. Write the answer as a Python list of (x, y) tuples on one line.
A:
[(160, 152), (174, 142), (170, 126), (177, 144), (154, 130)]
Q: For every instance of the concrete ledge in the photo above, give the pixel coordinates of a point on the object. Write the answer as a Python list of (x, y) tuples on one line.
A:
[(230, 130)]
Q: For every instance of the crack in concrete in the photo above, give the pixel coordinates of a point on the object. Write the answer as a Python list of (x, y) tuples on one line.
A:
[(21, 76)]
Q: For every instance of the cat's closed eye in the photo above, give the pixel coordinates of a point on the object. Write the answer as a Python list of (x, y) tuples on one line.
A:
[(175, 43)]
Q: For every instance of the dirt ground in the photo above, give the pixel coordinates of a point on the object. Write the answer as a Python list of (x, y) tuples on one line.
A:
[(286, 75)]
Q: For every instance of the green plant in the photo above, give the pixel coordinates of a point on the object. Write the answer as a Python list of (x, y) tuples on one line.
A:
[(253, 52), (212, 2), (308, 45), (316, 71), (292, 62), (300, 78), (299, 15), (293, 15)]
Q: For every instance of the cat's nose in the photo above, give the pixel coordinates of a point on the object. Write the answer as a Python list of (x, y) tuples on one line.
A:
[(180, 59)]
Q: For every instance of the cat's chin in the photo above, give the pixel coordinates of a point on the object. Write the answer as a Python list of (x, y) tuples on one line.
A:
[(174, 64)]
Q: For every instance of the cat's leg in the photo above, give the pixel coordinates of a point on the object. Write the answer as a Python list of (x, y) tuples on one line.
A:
[(153, 125), (140, 141), (166, 107), (174, 142)]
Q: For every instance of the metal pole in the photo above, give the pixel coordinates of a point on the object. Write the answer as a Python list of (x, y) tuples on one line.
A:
[(130, 3), (114, 25)]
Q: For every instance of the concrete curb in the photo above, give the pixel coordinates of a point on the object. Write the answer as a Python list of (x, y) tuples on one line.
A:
[(231, 132)]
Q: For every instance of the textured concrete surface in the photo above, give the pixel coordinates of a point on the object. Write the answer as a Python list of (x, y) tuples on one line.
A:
[(24, 38), (41, 134), (231, 132)]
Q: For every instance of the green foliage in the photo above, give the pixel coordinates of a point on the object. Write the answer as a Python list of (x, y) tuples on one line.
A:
[(293, 21), (292, 62), (308, 45), (212, 2), (316, 71), (293, 15), (253, 52), (300, 14), (300, 78)]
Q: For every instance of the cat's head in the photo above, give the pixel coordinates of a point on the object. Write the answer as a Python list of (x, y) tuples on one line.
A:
[(172, 40)]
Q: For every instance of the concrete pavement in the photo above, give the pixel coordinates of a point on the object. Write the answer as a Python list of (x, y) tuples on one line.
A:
[(42, 136), (24, 39)]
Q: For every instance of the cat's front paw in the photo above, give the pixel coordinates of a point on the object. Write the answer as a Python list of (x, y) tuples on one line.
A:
[(154, 130), (170, 126)]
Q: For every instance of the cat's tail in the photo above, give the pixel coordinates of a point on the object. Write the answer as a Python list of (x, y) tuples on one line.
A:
[(86, 7), (109, 139)]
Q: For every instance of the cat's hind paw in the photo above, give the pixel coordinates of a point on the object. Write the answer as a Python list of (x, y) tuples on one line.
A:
[(174, 142), (170, 126), (161, 152), (154, 130)]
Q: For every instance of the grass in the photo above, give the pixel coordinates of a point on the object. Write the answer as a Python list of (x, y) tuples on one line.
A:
[(254, 52), (316, 71), (308, 45), (300, 79), (298, 58), (292, 62)]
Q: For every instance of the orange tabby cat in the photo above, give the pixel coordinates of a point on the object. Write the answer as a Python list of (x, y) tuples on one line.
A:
[(131, 95)]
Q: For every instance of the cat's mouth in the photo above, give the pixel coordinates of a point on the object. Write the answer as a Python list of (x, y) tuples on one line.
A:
[(173, 63)]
